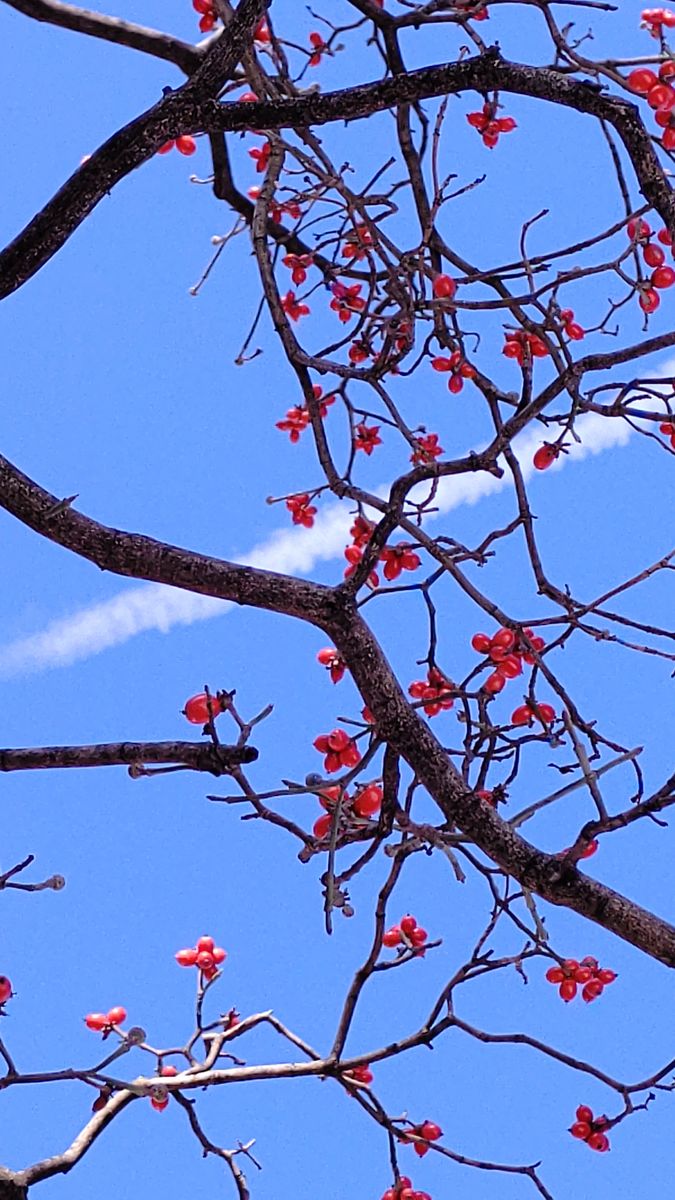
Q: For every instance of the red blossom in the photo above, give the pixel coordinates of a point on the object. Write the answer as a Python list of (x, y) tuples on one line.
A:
[(292, 307), (367, 437), (295, 421), (347, 300), (427, 449), (397, 559), (302, 511), (261, 156), (333, 661), (339, 749), (298, 264)]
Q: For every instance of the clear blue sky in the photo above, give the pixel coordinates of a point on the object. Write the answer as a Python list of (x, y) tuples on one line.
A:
[(118, 385)]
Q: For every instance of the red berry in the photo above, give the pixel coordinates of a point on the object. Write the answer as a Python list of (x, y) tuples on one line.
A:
[(408, 924), (444, 287), (117, 1015), (584, 1113), (555, 975), (653, 255), (431, 1131), (369, 801), (505, 638), (5, 989), (511, 666), (606, 976), (590, 849), (592, 990), (321, 827), (661, 96), (96, 1021), (159, 1103), (663, 277), (545, 456), (186, 144), (641, 80), (169, 1069), (205, 943), (200, 708), (186, 958), (205, 961), (567, 990), (219, 955), (418, 936), (581, 1130), (598, 1141), (392, 937), (522, 715), (495, 682), (481, 643), (649, 300)]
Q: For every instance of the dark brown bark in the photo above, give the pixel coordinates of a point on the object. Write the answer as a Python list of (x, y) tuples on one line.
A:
[(200, 756)]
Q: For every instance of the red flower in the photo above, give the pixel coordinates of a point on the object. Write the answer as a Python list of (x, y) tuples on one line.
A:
[(367, 438), (427, 449), (303, 512), (319, 45), (361, 531), (295, 421), (437, 691), (356, 243), (292, 307), (298, 264), (339, 749), (347, 301), (489, 125), (261, 156), (397, 559), (333, 661)]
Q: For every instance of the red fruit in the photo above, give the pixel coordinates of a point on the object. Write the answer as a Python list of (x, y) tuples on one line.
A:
[(649, 300), (590, 849), (418, 936), (205, 943), (567, 990), (653, 255), (522, 715), (661, 96), (663, 235), (442, 364), (606, 976), (219, 955), (668, 139), (495, 683), (574, 332), (581, 1130), (481, 643), (169, 1069), (584, 1113), (511, 666), (505, 638), (592, 990), (159, 1103), (444, 287), (431, 1131), (663, 277), (200, 708), (598, 1141), (421, 1148), (117, 1015), (166, 147), (5, 989), (641, 80), (667, 69), (545, 713), (205, 961), (545, 456), (186, 958), (96, 1021), (392, 937), (555, 975), (582, 974), (369, 801), (186, 144), (408, 925), (321, 827)]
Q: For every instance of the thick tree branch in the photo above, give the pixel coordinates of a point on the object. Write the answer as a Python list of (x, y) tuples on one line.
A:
[(112, 29), (200, 756)]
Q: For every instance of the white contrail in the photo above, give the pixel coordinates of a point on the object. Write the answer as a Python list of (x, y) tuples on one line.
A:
[(289, 551)]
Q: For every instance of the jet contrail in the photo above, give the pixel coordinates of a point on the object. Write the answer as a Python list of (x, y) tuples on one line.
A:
[(293, 551)]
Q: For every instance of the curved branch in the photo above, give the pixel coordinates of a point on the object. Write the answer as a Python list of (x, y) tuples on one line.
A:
[(112, 29)]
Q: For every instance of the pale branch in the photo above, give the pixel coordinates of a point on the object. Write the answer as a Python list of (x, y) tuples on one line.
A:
[(193, 108), (198, 756), (112, 29)]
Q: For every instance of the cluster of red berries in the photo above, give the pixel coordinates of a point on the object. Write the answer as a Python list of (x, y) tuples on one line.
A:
[(5, 990), (571, 328), (403, 1190), (428, 1130), (653, 20), (360, 531), (659, 95), (507, 652), (204, 707), (293, 307), (397, 559), (458, 368), (184, 145), (489, 125), (436, 692), (363, 806), (339, 749), (546, 455), (427, 449), (302, 512), (590, 1129), (205, 955), (105, 1022), (524, 347), (640, 233), (407, 934), (668, 427), (527, 714), (209, 16), (587, 974)]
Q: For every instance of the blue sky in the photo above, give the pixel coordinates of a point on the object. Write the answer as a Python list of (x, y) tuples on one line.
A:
[(119, 385)]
